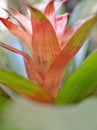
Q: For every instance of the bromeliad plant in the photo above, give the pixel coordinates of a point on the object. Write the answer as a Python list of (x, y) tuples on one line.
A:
[(52, 46)]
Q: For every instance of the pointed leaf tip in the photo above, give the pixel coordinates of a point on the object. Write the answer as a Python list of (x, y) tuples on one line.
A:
[(56, 71), (45, 43), (17, 31)]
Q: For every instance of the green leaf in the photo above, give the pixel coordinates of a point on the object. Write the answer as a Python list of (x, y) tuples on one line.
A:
[(82, 82), (24, 87), (4, 98)]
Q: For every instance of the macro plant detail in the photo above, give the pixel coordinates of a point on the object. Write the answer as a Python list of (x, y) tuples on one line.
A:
[(52, 45)]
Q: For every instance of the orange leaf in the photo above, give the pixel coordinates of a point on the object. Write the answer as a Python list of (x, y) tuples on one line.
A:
[(18, 31), (56, 71), (45, 43), (23, 20)]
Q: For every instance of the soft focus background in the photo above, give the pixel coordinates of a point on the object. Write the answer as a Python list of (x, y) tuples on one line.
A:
[(26, 116)]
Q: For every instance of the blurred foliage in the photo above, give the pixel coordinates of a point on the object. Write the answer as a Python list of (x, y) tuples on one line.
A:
[(70, 4), (4, 98), (23, 115), (83, 9)]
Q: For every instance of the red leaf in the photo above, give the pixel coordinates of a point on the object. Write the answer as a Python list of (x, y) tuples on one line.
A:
[(55, 73), (50, 12), (18, 31), (45, 43), (32, 72), (23, 20)]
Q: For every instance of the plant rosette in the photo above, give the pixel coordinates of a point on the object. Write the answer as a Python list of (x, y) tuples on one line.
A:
[(52, 46)]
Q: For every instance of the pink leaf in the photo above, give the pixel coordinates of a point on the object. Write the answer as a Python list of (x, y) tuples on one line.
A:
[(49, 12), (61, 22)]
